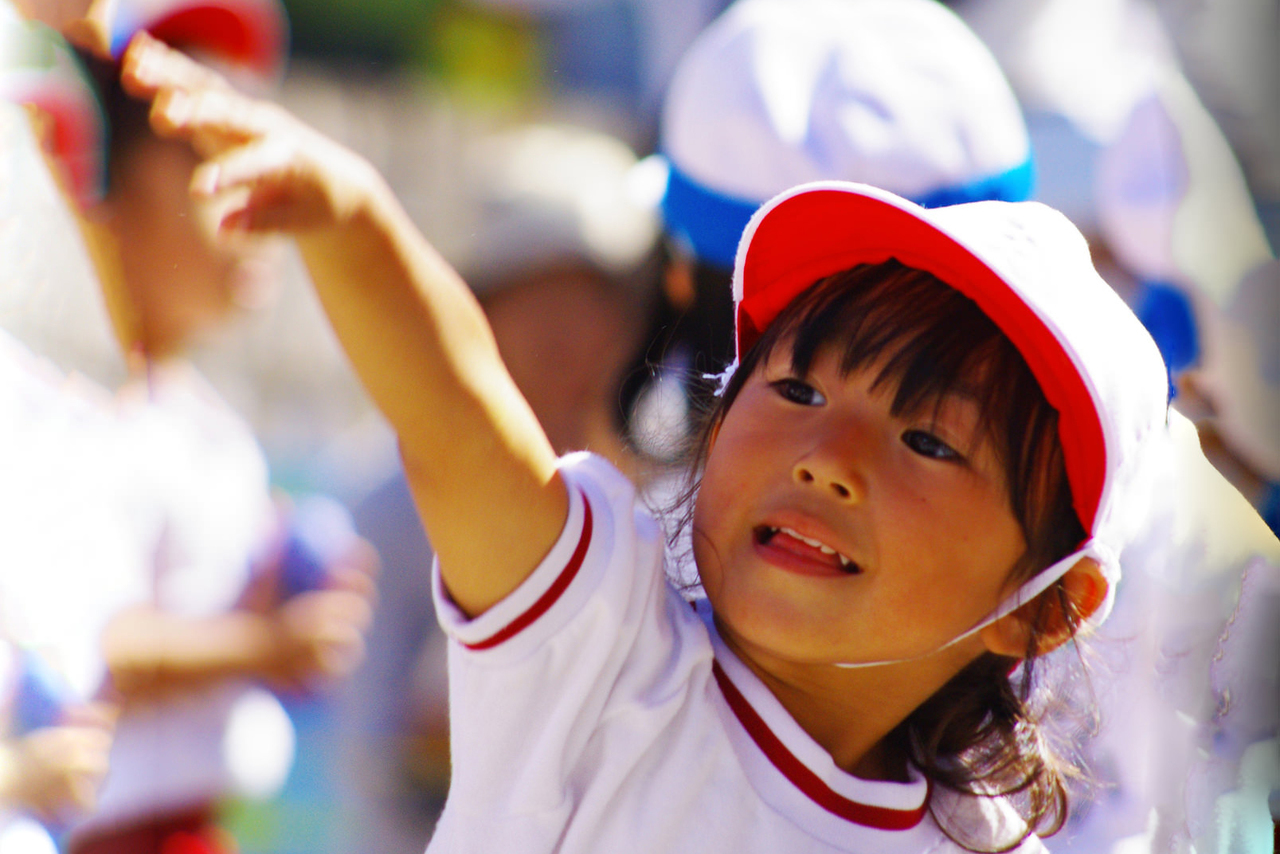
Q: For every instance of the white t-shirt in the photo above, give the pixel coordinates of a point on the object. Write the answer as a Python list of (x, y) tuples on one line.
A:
[(595, 710), (209, 513), (70, 536)]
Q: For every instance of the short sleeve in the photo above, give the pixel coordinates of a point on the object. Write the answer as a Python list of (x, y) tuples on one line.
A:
[(592, 635)]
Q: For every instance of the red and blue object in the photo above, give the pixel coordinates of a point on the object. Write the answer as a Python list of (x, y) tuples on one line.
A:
[(321, 533), (250, 34), (44, 71)]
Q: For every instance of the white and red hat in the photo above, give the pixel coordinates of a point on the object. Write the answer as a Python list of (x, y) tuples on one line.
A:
[(247, 38), (1028, 268), (252, 35), (39, 68)]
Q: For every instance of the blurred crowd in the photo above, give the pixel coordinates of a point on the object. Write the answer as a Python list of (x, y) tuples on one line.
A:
[(216, 628)]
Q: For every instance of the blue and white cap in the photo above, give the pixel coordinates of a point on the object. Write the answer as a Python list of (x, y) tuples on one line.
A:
[(899, 94)]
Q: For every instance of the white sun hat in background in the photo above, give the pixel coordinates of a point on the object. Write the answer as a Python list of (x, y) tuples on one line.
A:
[(899, 94)]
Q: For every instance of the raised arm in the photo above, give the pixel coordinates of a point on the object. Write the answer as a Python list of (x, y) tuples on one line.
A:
[(481, 469)]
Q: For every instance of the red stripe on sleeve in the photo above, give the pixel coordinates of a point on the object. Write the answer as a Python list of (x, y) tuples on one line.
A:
[(547, 599)]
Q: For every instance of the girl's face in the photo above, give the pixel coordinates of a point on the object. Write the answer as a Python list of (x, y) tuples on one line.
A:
[(829, 530)]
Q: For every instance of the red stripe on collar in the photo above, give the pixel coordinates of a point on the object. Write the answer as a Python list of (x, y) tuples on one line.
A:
[(882, 818), (553, 593)]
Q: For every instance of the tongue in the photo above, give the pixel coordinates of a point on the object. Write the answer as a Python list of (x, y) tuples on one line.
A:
[(785, 541)]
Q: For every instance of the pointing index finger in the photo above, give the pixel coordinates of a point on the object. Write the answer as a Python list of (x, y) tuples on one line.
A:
[(150, 66), (189, 101)]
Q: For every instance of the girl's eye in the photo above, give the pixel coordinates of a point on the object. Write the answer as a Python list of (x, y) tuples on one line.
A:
[(799, 392), (928, 445)]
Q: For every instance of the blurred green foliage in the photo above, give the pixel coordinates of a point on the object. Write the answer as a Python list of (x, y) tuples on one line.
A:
[(481, 54), (383, 32), (493, 59)]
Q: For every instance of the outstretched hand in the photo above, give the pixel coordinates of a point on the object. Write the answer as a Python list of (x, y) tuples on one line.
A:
[(413, 331), (319, 638), (268, 171)]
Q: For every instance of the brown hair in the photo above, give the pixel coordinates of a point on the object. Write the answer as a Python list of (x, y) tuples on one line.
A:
[(126, 118), (978, 734)]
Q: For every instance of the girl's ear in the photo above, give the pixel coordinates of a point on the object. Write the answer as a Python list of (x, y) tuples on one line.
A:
[(1012, 634)]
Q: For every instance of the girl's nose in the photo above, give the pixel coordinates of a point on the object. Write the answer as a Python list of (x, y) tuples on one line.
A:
[(828, 473)]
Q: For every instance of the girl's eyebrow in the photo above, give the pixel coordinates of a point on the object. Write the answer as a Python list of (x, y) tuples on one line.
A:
[(963, 395), (966, 392)]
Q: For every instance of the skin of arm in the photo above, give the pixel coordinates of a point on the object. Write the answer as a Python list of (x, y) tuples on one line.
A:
[(481, 469), (298, 641), (312, 638)]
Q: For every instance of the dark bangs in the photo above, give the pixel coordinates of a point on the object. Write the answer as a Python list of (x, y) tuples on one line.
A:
[(928, 341)]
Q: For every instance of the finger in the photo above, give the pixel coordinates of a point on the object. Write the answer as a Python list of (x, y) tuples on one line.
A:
[(364, 556), (357, 578), (273, 206), (213, 120), (244, 167), (90, 30), (341, 656), (95, 713), (344, 610), (53, 13), (255, 190), (149, 65), (83, 794), (92, 745)]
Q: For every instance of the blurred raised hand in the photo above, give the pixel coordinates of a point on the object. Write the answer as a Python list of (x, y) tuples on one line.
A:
[(54, 772)]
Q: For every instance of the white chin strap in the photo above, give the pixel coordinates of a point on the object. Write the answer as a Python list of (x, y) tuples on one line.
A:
[(1024, 594)]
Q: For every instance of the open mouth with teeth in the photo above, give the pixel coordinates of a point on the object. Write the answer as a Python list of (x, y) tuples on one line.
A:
[(807, 548)]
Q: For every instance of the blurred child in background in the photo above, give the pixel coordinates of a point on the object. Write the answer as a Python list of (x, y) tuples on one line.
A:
[(213, 617), (71, 550), (52, 765)]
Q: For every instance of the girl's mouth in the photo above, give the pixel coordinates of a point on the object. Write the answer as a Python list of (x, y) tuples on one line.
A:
[(796, 544)]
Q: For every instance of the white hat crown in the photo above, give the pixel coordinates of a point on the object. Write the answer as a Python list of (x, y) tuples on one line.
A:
[(899, 94)]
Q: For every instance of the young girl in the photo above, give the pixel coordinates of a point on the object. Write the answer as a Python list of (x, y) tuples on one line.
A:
[(935, 417)]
